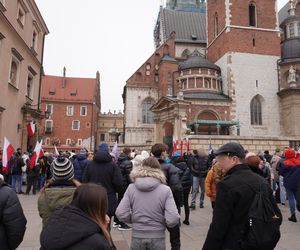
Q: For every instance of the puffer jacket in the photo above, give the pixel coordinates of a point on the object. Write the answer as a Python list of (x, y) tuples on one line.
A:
[(71, 229), (79, 165), (102, 170), (148, 204), (12, 219), (125, 166), (183, 171), (214, 176), (290, 170), (57, 195)]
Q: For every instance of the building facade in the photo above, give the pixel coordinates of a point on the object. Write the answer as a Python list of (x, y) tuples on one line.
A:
[(22, 35), (74, 106)]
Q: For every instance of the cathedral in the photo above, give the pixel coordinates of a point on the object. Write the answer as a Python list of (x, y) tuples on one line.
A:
[(221, 70)]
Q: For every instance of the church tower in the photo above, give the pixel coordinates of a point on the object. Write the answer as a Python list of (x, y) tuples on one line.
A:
[(186, 5), (243, 39)]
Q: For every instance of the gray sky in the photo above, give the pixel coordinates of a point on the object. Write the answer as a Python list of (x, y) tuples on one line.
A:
[(114, 37)]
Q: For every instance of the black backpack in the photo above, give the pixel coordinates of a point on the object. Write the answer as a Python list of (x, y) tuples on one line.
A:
[(264, 220)]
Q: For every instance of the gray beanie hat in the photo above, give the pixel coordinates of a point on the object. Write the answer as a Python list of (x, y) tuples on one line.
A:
[(62, 169)]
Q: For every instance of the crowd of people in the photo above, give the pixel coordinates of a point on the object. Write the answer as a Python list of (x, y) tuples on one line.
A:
[(83, 195)]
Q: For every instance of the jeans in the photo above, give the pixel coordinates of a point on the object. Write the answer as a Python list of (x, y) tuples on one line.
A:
[(282, 190), (292, 200), (196, 182), (147, 244), (175, 237), (41, 181), (17, 178)]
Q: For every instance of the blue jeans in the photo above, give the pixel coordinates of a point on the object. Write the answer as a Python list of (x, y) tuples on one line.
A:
[(282, 190), (41, 181), (196, 182), (17, 178), (292, 200)]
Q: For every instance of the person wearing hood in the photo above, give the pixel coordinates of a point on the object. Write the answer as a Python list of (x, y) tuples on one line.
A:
[(290, 170), (80, 164), (83, 225), (58, 192), (149, 205), (102, 170)]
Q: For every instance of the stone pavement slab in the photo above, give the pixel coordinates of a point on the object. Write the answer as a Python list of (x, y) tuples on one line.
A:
[(192, 236)]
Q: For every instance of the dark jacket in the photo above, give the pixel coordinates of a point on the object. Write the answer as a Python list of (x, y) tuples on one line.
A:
[(12, 219), (71, 229), (125, 166), (291, 175), (183, 171), (79, 165), (102, 170), (298, 198), (200, 167), (233, 201), (17, 165)]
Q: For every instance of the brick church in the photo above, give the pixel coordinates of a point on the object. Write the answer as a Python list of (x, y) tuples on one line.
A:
[(215, 73)]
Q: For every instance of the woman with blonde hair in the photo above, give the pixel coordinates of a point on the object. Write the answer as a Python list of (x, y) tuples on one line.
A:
[(81, 225)]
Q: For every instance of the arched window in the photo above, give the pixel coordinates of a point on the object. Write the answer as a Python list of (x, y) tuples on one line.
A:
[(256, 111), (147, 114), (252, 15), (216, 25)]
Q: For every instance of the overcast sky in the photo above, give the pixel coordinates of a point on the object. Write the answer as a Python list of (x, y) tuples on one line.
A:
[(114, 37)]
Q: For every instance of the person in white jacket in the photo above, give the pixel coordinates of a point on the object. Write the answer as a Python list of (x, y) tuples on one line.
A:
[(148, 204)]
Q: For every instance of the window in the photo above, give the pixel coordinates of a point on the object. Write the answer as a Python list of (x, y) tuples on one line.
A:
[(48, 126), (256, 111), (49, 108), (75, 125), (21, 16), (83, 110), (102, 137), (292, 30), (146, 112), (170, 88), (34, 40), (29, 90), (68, 141), (70, 110), (216, 25), (298, 28), (48, 141), (79, 142), (252, 14), (14, 72)]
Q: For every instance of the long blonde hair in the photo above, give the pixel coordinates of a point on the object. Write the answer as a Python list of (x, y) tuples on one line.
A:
[(92, 199)]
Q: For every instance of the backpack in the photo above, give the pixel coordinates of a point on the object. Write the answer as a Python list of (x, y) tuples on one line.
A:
[(263, 224)]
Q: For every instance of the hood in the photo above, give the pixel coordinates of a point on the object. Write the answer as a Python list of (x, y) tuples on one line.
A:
[(81, 157), (58, 195), (102, 156), (66, 228), (122, 157), (154, 177)]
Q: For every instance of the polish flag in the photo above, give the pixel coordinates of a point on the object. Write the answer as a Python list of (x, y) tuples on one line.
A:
[(8, 151), (175, 144), (30, 129), (181, 147), (36, 154)]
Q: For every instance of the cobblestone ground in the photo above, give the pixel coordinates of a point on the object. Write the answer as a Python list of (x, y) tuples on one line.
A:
[(192, 237)]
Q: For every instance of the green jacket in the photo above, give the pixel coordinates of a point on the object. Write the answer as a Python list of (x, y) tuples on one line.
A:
[(52, 198)]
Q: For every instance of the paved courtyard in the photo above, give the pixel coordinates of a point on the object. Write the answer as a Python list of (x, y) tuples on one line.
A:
[(192, 237)]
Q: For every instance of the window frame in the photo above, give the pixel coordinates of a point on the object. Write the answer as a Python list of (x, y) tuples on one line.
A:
[(147, 115), (252, 16), (256, 111), (22, 20), (73, 125), (101, 137), (51, 122), (68, 141), (79, 140), (291, 28), (30, 95), (47, 141), (15, 60), (72, 113), (49, 104), (81, 110), (216, 25)]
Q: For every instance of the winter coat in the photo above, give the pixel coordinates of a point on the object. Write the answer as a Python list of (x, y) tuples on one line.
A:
[(274, 163), (233, 201), (57, 195), (290, 170), (148, 204), (17, 165), (214, 176), (200, 168), (71, 229), (12, 219), (125, 166), (183, 171), (79, 165), (102, 170)]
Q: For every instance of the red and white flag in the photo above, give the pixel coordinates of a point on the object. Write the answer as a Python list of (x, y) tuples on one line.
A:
[(188, 145), (36, 154), (175, 144), (30, 129), (8, 151), (56, 151)]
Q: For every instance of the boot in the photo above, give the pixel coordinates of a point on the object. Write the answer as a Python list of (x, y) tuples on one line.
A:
[(192, 206), (293, 218)]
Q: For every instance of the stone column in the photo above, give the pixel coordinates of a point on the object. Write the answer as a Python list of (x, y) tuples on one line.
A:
[(218, 129)]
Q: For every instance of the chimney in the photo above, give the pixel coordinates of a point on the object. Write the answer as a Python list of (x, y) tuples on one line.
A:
[(98, 76), (64, 78)]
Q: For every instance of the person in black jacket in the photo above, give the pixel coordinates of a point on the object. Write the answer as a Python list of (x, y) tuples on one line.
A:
[(80, 163), (102, 170), (186, 182), (235, 193), (17, 165), (83, 225), (125, 165), (159, 151), (13, 221), (199, 171)]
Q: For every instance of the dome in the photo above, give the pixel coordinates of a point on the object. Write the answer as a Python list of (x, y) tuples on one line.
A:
[(196, 61), (290, 48)]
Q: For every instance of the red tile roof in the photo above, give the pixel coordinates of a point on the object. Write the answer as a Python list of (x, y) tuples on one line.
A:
[(76, 89)]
